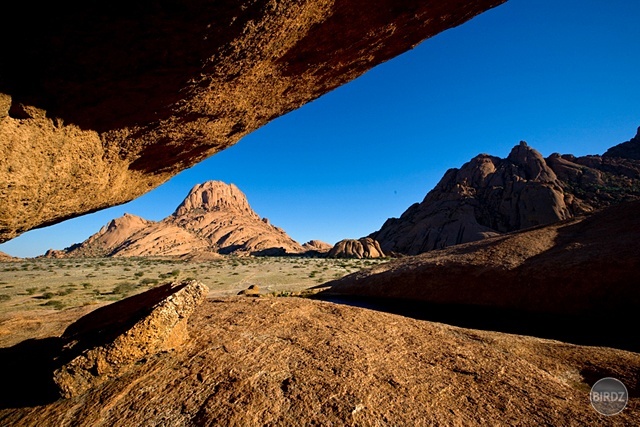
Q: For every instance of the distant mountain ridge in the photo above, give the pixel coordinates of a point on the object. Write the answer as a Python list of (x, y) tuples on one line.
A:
[(214, 218), (489, 196)]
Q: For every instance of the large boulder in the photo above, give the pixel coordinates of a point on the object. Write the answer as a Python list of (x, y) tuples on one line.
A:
[(365, 247), (100, 103), (107, 342)]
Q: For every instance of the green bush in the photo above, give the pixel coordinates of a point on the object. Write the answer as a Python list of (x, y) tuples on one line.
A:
[(64, 292), (58, 305), (124, 288)]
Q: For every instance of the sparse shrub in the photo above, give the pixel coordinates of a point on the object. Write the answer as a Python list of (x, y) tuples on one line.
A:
[(64, 292), (124, 288), (139, 274), (149, 281), (86, 285), (31, 291), (4, 297), (55, 304), (48, 295)]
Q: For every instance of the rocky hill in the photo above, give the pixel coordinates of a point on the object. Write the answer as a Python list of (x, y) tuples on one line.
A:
[(214, 218), (489, 196), (578, 266), (5, 257), (626, 150), (108, 239)]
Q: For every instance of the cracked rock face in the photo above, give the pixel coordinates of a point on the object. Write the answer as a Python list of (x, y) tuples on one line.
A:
[(102, 103), (108, 341), (489, 196)]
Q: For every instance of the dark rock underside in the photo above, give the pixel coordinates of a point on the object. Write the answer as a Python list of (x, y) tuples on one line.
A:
[(100, 103)]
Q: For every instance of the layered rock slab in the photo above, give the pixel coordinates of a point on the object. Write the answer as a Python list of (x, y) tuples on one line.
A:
[(99, 105), (108, 341), (277, 361)]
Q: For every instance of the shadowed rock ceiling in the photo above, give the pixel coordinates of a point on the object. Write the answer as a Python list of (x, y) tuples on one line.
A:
[(102, 102)]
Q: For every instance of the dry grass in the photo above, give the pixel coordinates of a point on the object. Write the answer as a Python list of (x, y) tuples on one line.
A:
[(46, 284)]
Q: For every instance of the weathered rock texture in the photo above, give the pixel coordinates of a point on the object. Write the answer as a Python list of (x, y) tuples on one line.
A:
[(317, 246), (489, 196), (579, 266), (214, 218), (6, 257), (251, 291), (627, 150), (105, 343), (101, 103), (108, 239), (293, 361), (365, 247)]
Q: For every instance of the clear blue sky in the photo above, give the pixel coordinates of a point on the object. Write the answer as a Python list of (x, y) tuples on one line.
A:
[(562, 75)]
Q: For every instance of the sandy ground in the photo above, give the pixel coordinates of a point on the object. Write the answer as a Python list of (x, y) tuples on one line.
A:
[(39, 296)]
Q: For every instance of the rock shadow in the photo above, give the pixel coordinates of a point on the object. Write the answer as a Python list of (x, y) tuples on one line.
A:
[(602, 329), (26, 371), (27, 368)]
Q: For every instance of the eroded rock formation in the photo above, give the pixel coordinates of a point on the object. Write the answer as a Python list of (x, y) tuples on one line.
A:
[(489, 196), (365, 247), (101, 103), (627, 150), (108, 341), (580, 266), (317, 246), (214, 218)]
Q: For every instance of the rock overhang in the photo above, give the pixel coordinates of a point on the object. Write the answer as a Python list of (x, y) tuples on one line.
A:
[(102, 103)]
